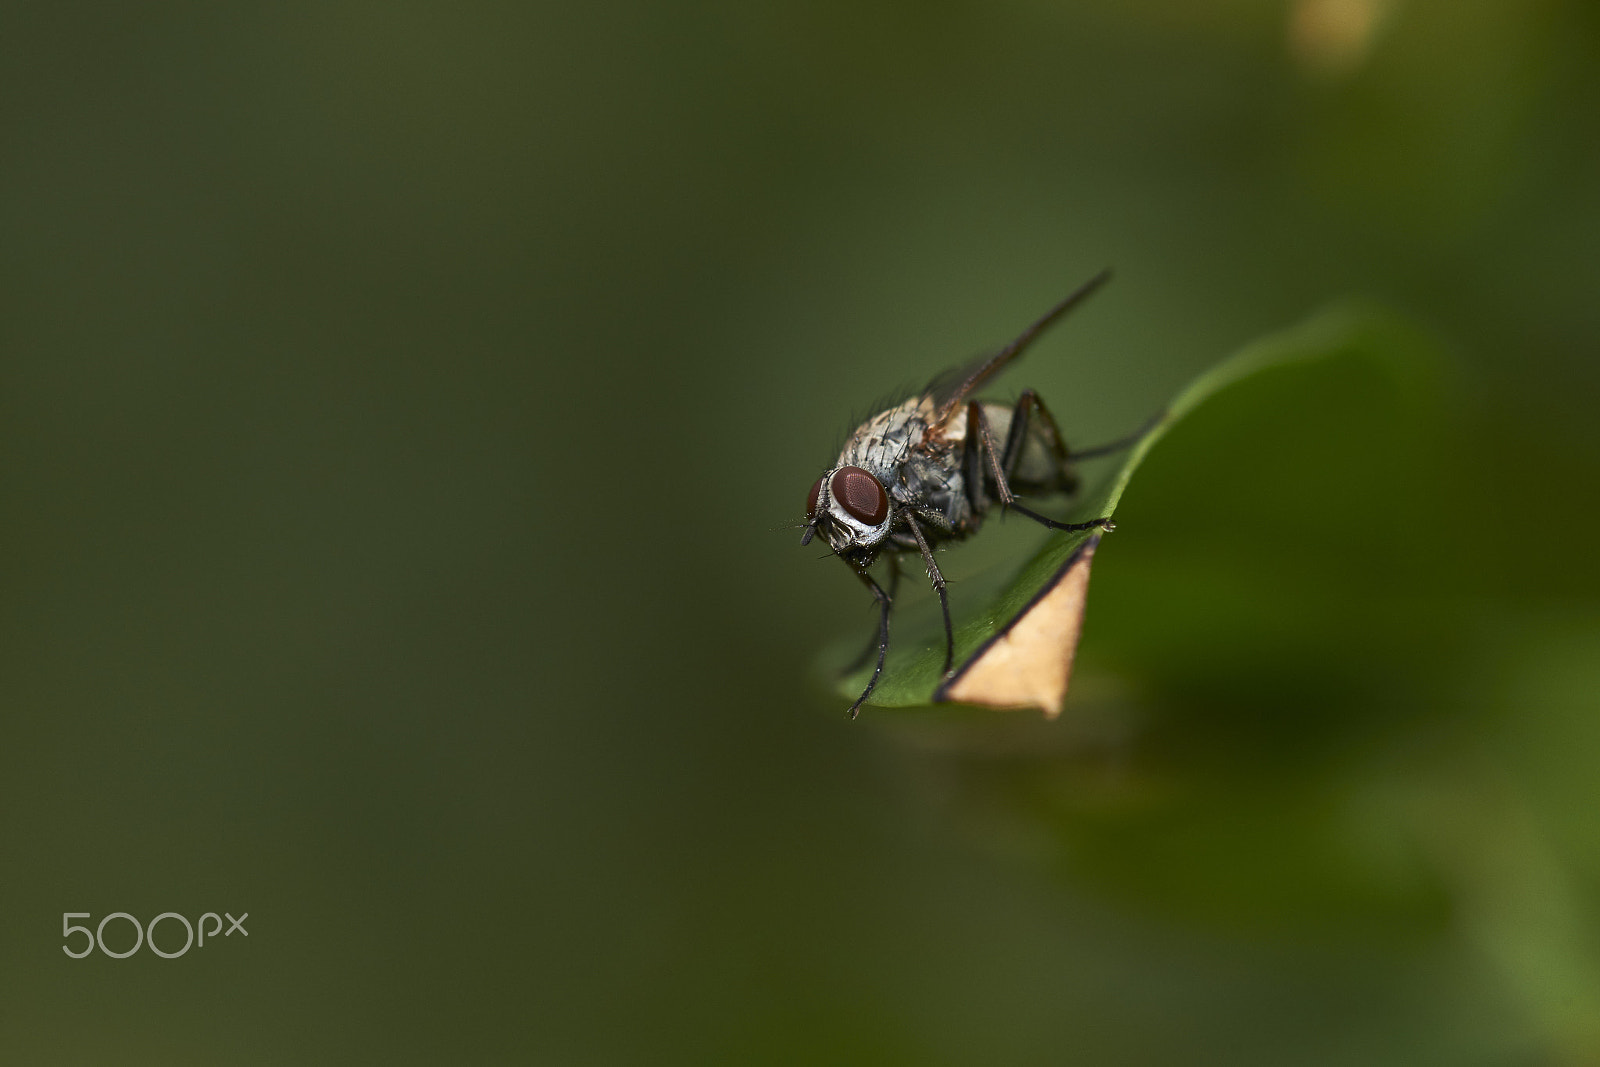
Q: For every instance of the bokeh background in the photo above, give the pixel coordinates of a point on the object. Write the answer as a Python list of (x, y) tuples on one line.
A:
[(407, 406)]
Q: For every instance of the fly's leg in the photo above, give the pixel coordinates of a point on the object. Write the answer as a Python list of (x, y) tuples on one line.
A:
[(1027, 404), (883, 639), (937, 578), (1122, 442), (872, 642), (973, 457), (976, 418)]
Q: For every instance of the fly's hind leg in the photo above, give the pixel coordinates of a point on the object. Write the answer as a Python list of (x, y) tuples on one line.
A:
[(1001, 464), (1121, 443), (1029, 404)]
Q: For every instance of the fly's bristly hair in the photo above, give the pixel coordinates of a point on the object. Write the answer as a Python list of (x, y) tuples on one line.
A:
[(892, 399)]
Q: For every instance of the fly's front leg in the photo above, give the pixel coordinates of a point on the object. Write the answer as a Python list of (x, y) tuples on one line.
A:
[(884, 603), (872, 642), (937, 578), (976, 418)]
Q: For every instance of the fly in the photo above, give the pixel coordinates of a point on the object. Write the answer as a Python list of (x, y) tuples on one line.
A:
[(926, 471)]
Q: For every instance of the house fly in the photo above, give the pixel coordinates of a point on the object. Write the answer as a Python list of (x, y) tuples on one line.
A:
[(927, 471)]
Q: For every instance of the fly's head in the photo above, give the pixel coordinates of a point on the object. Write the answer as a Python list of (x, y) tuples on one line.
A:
[(849, 507)]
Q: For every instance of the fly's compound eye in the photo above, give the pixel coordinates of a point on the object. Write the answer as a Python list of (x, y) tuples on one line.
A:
[(860, 494), (811, 501)]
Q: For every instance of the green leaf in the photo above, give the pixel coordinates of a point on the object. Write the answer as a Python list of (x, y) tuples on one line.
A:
[(913, 670)]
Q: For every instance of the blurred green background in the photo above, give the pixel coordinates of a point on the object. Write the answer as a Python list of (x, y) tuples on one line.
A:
[(406, 407)]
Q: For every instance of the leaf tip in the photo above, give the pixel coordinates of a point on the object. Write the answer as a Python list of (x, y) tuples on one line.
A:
[(1028, 663)]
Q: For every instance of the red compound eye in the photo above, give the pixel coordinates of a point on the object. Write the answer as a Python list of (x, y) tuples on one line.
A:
[(811, 501), (860, 494)]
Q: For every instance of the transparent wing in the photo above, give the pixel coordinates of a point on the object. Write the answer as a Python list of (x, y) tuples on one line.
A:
[(951, 389)]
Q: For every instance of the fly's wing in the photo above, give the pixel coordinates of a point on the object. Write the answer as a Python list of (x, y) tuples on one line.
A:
[(951, 389)]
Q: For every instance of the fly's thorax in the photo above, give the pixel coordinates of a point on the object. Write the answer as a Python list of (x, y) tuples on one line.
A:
[(936, 483), (884, 441)]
